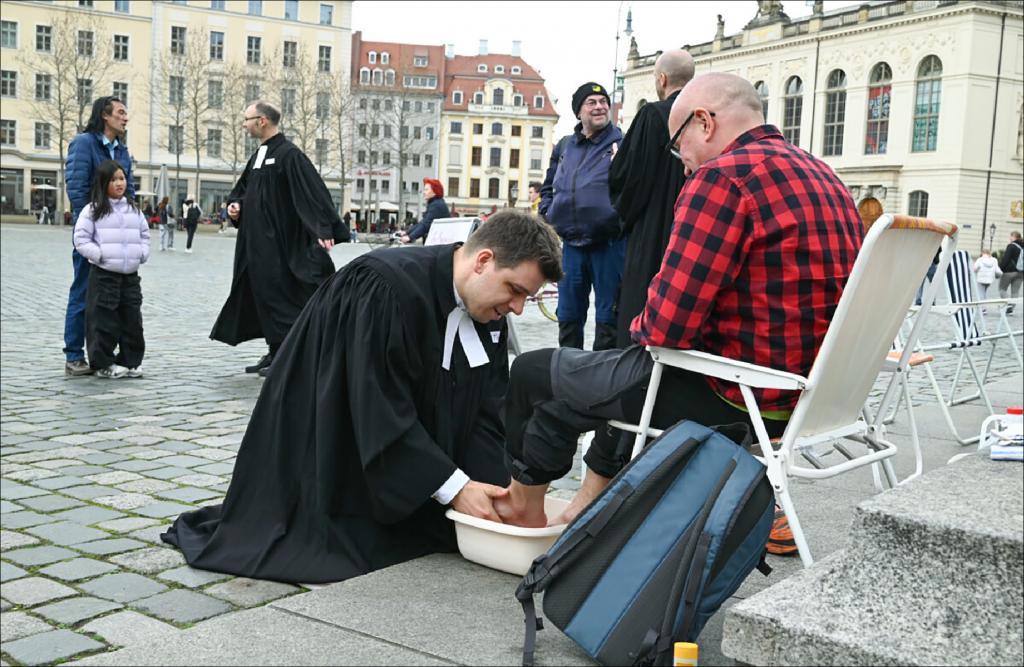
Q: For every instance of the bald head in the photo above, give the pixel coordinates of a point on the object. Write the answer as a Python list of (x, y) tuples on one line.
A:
[(672, 70), (718, 108)]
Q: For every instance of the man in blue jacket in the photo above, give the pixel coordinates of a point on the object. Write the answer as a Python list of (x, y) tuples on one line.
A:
[(576, 201), (102, 139)]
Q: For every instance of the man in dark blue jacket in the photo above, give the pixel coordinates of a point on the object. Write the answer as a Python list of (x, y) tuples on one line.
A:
[(576, 201), (102, 139)]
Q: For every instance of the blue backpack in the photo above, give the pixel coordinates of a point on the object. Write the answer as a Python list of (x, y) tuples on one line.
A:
[(646, 564)]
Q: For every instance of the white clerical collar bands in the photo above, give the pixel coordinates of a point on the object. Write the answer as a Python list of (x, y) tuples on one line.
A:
[(460, 323)]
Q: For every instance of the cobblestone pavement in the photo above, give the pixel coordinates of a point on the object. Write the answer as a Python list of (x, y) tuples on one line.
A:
[(93, 470)]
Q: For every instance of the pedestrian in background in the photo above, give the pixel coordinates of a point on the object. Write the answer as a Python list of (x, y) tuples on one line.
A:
[(437, 208), (166, 216), (112, 234), (987, 269), (192, 214), (223, 216), (1012, 265), (576, 201), (101, 140)]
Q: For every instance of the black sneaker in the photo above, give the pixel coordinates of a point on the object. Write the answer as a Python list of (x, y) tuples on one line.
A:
[(265, 371), (264, 362)]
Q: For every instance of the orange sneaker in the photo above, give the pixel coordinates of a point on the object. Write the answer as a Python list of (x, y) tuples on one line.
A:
[(780, 540)]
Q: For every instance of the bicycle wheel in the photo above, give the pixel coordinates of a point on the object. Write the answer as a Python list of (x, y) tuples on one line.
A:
[(547, 301)]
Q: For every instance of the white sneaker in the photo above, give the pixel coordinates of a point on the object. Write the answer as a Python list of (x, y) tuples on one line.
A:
[(112, 372), (171, 248), (188, 251), (134, 372)]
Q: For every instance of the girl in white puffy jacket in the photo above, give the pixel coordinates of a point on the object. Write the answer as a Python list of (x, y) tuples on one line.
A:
[(987, 269), (113, 235)]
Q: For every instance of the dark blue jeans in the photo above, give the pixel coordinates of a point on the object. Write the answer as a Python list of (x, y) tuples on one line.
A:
[(598, 266), (74, 318)]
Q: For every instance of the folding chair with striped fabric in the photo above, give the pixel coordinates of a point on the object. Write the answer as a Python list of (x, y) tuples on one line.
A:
[(965, 314)]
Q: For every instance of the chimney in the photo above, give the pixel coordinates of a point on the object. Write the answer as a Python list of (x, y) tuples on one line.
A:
[(449, 51), (483, 47), (516, 48)]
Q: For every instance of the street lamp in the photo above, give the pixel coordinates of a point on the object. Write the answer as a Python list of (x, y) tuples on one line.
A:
[(615, 68), (991, 235), (513, 195)]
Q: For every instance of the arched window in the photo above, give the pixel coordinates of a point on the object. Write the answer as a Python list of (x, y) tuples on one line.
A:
[(835, 112), (496, 129), (385, 58), (364, 75), (498, 97), (926, 104), (478, 98), (918, 204), (793, 107), (372, 57), (378, 77), (389, 77), (876, 138), (517, 100), (762, 91)]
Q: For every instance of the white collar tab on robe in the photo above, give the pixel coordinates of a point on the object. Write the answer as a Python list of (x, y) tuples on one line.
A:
[(459, 322)]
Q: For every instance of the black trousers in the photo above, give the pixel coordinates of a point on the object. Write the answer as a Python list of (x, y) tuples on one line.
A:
[(113, 319), (191, 230), (555, 395)]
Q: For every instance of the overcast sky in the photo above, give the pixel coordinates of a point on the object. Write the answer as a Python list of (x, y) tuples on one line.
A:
[(569, 42)]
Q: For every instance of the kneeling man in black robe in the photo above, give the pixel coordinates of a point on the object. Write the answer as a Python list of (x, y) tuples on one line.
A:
[(383, 409)]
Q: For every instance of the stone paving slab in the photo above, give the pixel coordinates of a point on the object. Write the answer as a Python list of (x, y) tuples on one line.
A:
[(109, 546), (123, 587), (49, 647), (182, 606), (78, 569), (10, 539), (66, 533), (10, 572), (34, 590), (75, 610), (128, 628), (42, 555), (16, 624), (265, 636), (245, 592)]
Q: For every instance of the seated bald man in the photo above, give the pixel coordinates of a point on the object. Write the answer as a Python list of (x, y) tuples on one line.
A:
[(763, 241)]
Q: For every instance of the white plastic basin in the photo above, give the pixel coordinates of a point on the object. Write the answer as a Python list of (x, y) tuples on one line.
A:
[(501, 547)]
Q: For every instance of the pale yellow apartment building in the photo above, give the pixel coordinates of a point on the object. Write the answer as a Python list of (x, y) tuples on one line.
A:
[(497, 130), (167, 59)]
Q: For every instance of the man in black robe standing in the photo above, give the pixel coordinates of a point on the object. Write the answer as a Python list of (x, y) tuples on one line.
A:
[(645, 180), (287, 225), (383, 408)]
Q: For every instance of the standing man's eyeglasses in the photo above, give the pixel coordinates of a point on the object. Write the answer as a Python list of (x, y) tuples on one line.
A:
[(671, 146), (258, 117)]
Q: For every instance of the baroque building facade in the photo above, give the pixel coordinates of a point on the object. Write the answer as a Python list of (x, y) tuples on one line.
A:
[(497, 128), (186, 69), (916, 104)]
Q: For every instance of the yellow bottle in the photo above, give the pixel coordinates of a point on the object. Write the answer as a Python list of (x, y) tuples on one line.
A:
[(685, 655)]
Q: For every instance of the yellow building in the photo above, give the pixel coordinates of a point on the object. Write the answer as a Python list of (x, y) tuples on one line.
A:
[(497, 131), (185, 69)]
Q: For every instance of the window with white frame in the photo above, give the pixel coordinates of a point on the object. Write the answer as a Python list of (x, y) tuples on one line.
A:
[(290, 54), (9, 34), (120, 90), (535, 160), (926, 104), (84, 92), (8, 83), (389, 77), (516, 69), (42, 135), (372, 57), (44, 87), (413, 81), (253, 49), (176, 90), (538, 102), (457, 97), (326, 14), (793, 107), (8, 132), (876, 139), (835, 112), (478, 98), (216, 45), (323, 60), (175, 139), (121, 47), (517, 100), (385, 58), (378, 77), (214, 141), (918, 204), (287, 101), (177, 40), (481, 67), (498, 97), (215, 94), (499, 69), (44, 38), (85, 43), (364, 75), (420, 61)]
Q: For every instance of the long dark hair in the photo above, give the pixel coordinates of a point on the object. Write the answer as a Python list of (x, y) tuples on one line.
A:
[(102, 105), (100, 182)]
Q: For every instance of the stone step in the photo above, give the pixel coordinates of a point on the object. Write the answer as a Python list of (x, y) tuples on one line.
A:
[(933, 574)]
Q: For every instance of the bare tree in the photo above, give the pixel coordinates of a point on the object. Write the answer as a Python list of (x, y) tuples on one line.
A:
[(74, 65), (233, 150), (408, 138), (373, 141), (342, 106)]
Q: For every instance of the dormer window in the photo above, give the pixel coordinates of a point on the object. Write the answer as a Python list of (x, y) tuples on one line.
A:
[(457, 97), (372, 56), (385, 58), (499, 69), (538, 102), (420, 61), (478, 98), (481, 68), (517, 100), (516, 69)]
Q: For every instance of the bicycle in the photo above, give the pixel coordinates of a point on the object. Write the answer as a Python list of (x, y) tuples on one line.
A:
[(547, 301)]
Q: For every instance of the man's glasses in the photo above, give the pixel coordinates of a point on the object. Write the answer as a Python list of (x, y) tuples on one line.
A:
[(248, 118), (671, 146)]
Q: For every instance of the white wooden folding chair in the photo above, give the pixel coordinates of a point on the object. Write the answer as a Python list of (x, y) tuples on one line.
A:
[(895, 254), (965, 315)]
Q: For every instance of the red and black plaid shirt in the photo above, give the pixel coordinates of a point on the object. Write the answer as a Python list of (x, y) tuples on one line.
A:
[(764, 239)]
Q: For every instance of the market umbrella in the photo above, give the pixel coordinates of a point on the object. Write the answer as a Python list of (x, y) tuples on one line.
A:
[(163, 184)]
